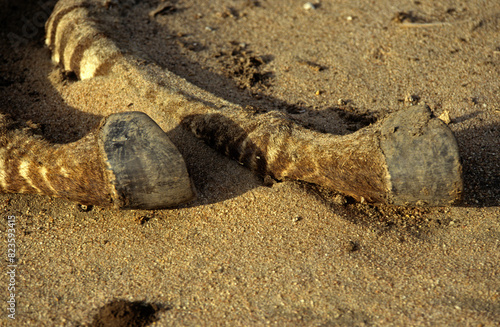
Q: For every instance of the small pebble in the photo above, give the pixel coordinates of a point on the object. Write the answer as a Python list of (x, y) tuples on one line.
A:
[(445, 117), (309, 6), (340, 200), (84, 208), (341, 102), (411, 99)]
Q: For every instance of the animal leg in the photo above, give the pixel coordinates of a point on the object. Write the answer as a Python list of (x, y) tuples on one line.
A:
[(127, 162)]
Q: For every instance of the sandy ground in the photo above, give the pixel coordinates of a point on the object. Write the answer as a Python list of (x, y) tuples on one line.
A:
[(248, 253)]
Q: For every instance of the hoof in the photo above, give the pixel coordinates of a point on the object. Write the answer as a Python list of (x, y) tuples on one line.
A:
[(145, 167), (422, 158)]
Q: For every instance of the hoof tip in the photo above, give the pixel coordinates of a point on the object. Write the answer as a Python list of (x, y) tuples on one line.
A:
[(422, 159), (147, 170)]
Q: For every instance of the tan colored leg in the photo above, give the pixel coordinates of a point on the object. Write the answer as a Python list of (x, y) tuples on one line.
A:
[(127, 162)]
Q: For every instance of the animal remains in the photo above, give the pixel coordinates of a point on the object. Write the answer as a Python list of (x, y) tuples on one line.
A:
[(408, 158)]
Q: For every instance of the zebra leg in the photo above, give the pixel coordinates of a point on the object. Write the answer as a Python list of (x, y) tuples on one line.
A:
[(127, 162)]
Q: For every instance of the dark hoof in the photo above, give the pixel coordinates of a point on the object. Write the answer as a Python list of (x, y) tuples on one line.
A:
[(146, 168), (422, 158)]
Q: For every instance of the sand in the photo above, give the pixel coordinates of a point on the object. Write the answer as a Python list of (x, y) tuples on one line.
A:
[(246, 251)]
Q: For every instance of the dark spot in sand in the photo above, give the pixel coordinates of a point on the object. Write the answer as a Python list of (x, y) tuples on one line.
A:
[(122, 313)]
